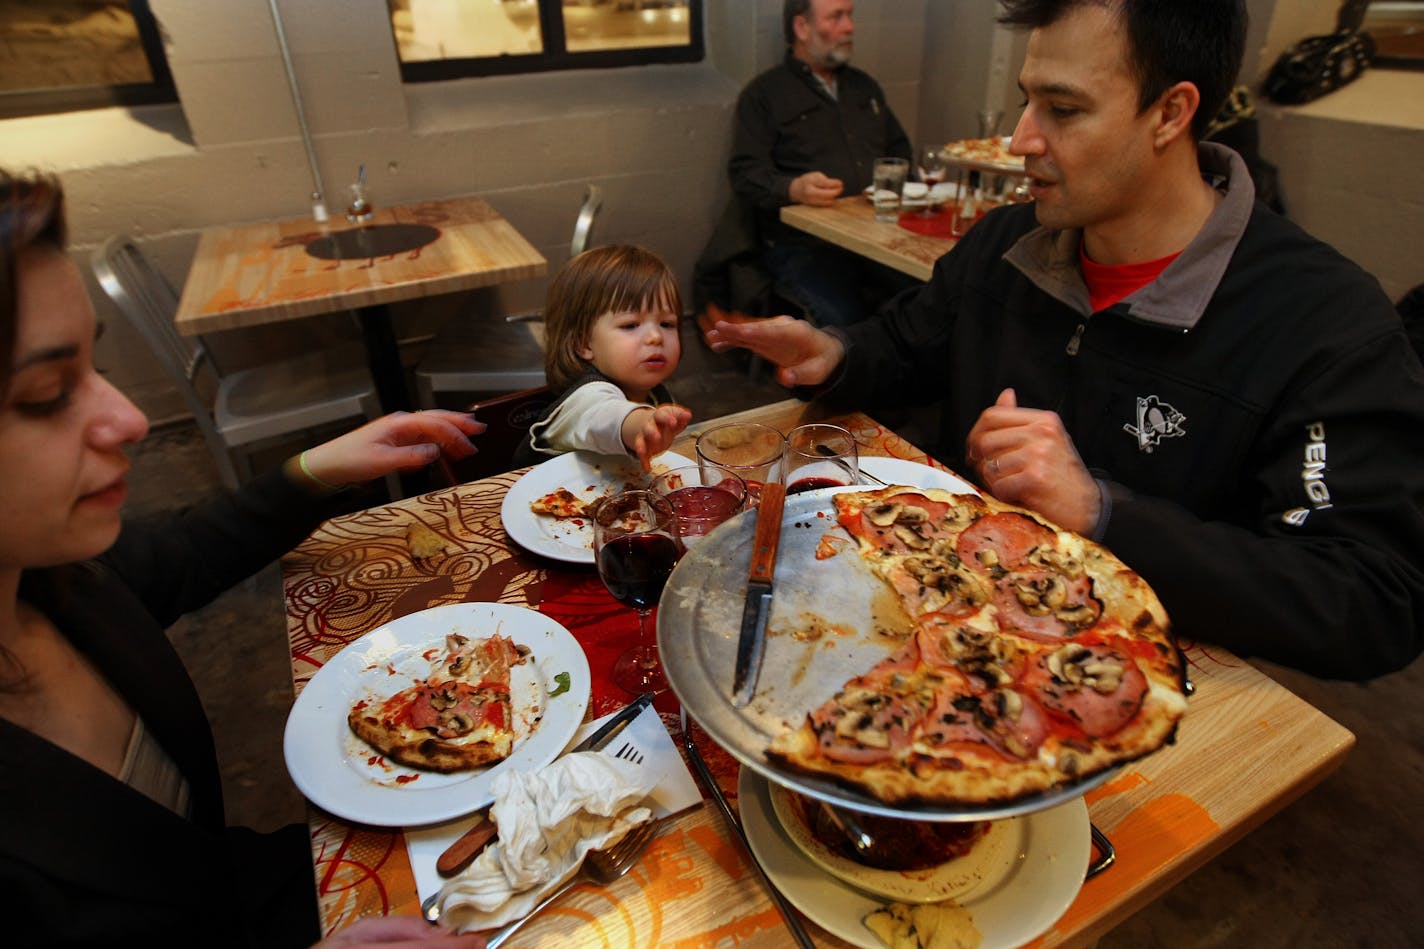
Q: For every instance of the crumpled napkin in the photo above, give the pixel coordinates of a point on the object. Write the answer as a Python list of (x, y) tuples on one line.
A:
[(548, 821)]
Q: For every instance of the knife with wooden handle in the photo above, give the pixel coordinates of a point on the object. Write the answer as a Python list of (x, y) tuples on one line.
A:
[(751, 645), (459, 855)]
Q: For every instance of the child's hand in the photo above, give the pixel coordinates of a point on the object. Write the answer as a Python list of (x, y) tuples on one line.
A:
[(650, 432)]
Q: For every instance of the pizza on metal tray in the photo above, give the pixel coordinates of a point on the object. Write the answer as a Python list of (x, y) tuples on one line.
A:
[(1037, 658)]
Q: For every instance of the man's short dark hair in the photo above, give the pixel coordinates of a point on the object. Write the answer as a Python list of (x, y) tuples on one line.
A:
[(1169, 41), (790, 10)]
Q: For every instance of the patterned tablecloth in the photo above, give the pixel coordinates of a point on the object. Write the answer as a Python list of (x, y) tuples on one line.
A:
[(1166, 815)]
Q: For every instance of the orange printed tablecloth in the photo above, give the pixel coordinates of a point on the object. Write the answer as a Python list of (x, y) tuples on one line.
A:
[(1247, 747)]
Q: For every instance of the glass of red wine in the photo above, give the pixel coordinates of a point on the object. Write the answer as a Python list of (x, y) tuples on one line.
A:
[(703, 496), (636, 545), (934, 166), (820, 456)]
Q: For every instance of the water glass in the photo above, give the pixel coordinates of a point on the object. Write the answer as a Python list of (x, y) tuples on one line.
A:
[(702, 496), (888, 181), (819, 455), (751, 450)]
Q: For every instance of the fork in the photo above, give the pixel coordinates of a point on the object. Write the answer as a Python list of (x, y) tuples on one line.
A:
[(599, 866), (630, 753), (826, 452)]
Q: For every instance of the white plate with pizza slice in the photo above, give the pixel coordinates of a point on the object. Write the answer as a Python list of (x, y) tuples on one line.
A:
[(587, 476), (1015, 894), (337, 771)]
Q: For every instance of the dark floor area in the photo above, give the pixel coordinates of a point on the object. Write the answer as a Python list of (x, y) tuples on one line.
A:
[(1344, 866)]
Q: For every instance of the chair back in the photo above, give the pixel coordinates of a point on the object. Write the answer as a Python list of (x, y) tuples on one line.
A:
[(507, 418), (583, 224), (147, 301)]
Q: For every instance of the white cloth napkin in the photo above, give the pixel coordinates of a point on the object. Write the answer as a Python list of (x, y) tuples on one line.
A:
[(659, 779), (548, 821)]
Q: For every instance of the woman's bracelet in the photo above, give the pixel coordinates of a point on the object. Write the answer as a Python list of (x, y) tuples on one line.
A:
[(324, 485)]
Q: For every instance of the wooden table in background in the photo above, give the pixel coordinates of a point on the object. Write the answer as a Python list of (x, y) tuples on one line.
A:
[(850, 223), (251, 274), (1247, 748)]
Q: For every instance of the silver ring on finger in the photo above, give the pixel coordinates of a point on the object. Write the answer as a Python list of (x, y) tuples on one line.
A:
[(993, 466)]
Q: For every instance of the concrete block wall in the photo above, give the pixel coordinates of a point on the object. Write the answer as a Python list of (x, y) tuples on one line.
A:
[(655, 138)]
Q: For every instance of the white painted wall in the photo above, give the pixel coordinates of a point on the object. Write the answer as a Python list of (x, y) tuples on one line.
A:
[(655, 138)]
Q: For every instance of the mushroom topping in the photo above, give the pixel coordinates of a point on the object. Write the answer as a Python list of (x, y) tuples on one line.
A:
[(910, 514), (1050, 559), (1074, 666), (1041, 594), (929, 570), (989, 557), (884, 513), (1065, 656), (1009, 703), (441, 699), (911, 538), (456, 723)]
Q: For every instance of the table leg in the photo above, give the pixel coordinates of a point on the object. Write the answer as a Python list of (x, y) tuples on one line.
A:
[(383, 358)]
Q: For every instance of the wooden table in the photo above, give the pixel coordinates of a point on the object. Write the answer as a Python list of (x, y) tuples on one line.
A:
[(1247, 747), (250, 274), (850, 223)]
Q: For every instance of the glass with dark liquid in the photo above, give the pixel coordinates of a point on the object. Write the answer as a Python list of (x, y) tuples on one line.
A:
[(635, 546), (820, 456), (703, 496)]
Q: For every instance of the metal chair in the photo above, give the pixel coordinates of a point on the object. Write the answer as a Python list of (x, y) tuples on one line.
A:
[(471, 355), (246, 410)]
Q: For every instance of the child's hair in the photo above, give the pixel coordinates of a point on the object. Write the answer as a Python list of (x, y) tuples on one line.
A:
[(608, 279)]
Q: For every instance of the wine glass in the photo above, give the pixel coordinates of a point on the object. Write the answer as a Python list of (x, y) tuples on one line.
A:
[(820, 456), (934, 165), (636, 545), (703, 496)]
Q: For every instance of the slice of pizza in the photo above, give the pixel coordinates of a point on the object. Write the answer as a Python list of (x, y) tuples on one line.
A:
[(560, 503), (457, 718)]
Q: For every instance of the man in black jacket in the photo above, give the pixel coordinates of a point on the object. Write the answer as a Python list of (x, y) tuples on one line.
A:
[(808, 131), (1149, 357)]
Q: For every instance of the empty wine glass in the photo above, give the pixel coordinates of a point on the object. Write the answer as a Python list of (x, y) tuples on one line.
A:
[(636, 545), (934, 165)]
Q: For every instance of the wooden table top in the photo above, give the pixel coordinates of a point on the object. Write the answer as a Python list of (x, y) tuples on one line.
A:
[(1246, 748), (850, 223), (249, 274)]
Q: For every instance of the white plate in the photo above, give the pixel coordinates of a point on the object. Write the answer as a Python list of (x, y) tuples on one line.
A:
[(912, 474), (1036, 882), (342, 774), (587, 475)]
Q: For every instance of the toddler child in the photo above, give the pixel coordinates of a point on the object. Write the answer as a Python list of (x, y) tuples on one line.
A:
[(612, 327)]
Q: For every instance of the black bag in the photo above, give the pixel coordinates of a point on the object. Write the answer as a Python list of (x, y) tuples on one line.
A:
[(1321, 64)]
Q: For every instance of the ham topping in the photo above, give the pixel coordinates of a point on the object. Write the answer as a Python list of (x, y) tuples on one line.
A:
[(1098, 687), (1002, 542)]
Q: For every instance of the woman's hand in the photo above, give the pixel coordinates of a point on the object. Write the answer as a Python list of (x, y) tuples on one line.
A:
[(399, 932), (401, 441)]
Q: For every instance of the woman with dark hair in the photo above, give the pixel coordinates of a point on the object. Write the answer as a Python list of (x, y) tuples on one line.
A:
[(111, 811)]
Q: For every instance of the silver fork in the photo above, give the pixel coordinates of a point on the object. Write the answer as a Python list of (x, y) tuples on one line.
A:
[(599, 866), (630, 753)]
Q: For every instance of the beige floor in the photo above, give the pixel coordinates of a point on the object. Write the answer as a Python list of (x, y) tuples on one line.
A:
[(1341, 867)]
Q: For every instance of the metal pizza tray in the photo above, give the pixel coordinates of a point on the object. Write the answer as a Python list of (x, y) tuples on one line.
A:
[(822, 632)]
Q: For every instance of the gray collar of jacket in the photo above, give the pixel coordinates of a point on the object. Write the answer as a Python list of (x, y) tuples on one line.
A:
[(1179, 296)]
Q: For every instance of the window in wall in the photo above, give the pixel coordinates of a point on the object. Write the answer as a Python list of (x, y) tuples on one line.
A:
[(447, 39), (62, 55), (1398, 31)]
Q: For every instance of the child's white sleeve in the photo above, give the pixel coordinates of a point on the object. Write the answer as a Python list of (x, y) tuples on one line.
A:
[(590, 419)]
